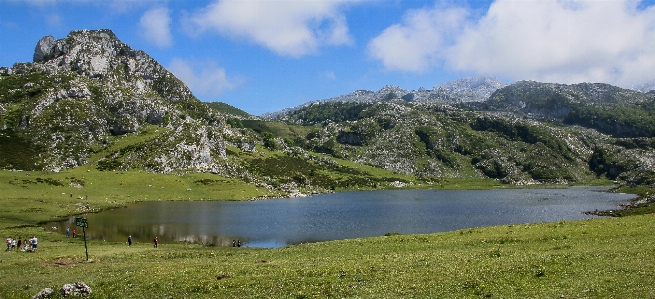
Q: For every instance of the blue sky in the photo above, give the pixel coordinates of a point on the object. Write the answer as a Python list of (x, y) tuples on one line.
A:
[(264, 56)]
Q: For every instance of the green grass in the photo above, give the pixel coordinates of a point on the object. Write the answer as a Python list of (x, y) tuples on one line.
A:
[(602, 258), (34, 197), (228, 109)]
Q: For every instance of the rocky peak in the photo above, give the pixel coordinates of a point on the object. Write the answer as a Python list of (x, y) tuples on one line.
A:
[(85, 87), (472, 89), (97, 42), (44, 48), (99, 54)]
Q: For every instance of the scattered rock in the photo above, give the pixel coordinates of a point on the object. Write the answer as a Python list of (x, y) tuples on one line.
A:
[(75, 289), (45, 293)]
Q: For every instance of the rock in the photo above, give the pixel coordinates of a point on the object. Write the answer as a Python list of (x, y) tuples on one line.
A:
[(249, 147), (5, 71), (75, 289), (45, 293), (44, 48)]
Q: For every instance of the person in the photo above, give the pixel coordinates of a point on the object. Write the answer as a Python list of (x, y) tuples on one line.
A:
[(156, 241), (13, 244), (74, 233), (8, 244), (234, 243), (68, 232), (239, 243), (20, 242), (34, 243), (129, 241)]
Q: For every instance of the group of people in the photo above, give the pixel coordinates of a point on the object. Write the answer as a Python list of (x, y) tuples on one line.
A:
[(22, 245), (68, 232), (155, 241)]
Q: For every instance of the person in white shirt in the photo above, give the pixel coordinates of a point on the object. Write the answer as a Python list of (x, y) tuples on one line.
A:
[(34, 240)]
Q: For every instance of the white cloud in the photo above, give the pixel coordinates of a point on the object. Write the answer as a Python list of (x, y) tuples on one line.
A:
[(567, 41), (209, 81), (330, 76), (155, 27), (416, 45), (290, 28)]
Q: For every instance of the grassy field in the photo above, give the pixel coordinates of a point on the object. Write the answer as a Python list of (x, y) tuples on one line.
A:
[(600, 258), (33, 197)]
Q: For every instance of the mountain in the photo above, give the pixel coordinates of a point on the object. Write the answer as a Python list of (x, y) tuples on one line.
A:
[(606, 108), (85, 90), (646, 87), (474, 89), (89, 100)]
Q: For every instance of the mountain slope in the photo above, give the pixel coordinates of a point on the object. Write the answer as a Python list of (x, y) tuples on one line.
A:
[(441, 141), (84, 90), (603, 107)]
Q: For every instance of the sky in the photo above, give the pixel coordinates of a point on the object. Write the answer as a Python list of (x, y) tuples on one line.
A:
[(266, 55)]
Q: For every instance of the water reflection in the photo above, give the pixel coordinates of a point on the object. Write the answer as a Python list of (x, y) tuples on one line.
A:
[(275, 223)]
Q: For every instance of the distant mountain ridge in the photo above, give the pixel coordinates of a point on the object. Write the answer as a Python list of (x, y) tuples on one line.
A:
[(609, 109), (473, 89)]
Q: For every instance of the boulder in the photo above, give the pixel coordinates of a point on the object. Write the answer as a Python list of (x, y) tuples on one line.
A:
[(75, 289), (5, 71), (45, 293), (44, 48)]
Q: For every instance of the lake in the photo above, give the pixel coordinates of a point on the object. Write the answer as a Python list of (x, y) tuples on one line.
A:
[(280, 222)]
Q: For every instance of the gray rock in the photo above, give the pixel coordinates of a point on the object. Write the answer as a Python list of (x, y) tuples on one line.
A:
[(5, 71), (45, 293), (75, 289), (44, 48)]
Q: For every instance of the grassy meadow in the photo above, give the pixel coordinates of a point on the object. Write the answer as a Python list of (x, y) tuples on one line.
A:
[(599, 258)]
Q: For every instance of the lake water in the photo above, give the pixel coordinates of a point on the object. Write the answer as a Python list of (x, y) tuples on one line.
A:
[(280, 222)]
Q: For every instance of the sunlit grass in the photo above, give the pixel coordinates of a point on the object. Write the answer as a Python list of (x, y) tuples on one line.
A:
[(599, 258)]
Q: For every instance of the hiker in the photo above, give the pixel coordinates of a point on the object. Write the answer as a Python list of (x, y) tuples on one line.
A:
[(234, 243), (156, 241), (8, 244), (68, 232), (74, 233), (129, 241), (34, 243), (20, 242), (13, 244)]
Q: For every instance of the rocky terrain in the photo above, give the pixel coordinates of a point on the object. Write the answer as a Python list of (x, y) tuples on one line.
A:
[(88, 87), (91, 100), (474, 89)]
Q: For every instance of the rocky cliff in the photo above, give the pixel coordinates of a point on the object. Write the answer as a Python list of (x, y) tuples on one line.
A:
[(83, 91)]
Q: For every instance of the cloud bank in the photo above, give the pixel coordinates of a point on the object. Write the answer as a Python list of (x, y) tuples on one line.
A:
[(289, 28), (154, 26), (567, 41), (209, 81)]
